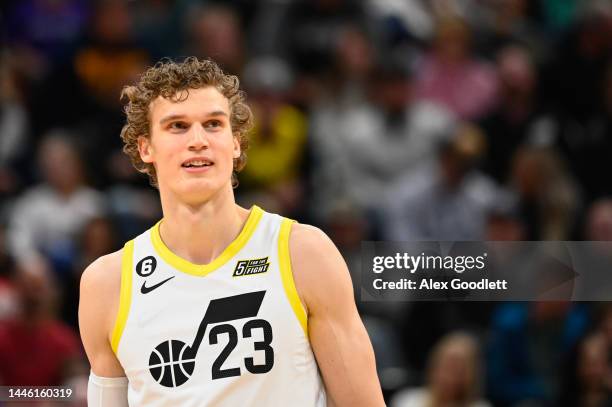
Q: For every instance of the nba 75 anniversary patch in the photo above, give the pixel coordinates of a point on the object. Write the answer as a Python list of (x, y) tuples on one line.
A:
[(250, 267)]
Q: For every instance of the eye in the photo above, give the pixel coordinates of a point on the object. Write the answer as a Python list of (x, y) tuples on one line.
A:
[(178, 126), (213, 124)]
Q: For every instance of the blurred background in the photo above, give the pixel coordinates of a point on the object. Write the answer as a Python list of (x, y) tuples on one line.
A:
[(375, 120)]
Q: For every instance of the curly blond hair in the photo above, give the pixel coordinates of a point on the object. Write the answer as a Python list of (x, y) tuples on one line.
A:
[(172, 80)]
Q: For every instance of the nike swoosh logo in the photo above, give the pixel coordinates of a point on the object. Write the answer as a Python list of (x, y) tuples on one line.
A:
[(145, 290)]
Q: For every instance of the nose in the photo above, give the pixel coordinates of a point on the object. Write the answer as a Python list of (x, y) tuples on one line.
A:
[(198, 139)]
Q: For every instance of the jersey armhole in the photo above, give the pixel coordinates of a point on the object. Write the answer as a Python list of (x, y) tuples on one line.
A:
[(287, 274), (125, 295)]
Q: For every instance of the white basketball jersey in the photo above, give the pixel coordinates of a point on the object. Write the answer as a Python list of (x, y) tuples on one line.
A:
[(229, 333)]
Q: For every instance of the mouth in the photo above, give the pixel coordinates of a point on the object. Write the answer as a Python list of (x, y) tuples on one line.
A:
[(197, 163)]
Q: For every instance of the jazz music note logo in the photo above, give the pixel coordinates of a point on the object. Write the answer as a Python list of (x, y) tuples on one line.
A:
[(172, 362)]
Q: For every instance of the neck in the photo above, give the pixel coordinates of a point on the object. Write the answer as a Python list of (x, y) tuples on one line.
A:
[(199, 233)]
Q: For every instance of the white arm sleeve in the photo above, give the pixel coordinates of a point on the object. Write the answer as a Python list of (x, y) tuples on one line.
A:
[(107, 391)]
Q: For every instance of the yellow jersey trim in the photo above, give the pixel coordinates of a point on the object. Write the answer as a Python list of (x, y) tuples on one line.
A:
[(203, 269), (125, 295), (287, 275)]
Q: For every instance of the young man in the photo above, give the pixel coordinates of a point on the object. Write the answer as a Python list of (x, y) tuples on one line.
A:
[(216, 305)]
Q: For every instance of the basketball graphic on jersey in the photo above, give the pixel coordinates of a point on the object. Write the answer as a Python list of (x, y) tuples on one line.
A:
[(172, 362), (168, 363)]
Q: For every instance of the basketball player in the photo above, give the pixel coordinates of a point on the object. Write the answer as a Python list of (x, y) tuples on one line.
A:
[(216, 305)]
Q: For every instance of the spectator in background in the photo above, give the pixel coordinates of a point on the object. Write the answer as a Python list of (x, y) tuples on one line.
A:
[(132, 203), (586, 141), (158, 25), (599, 221), (313, 27), (215, 32), (505, 224), (97, 238), (548, 195), (576, 73), (35, 348), (48, 216), (589, 375), (44, 32), (111, 58), (14, 127), (353, 62), (278, 139), (527, 346), (448, 200), (363, 149), (348, 228), (346, 84), (264, 34), (453, 376), (311, 31), (517, 119), (594, 282), (89, 83), (451, 76)]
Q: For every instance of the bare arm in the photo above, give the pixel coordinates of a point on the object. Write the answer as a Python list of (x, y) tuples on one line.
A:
[(338, 338), (98, 305)]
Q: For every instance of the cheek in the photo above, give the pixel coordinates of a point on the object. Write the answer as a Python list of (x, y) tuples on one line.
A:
[(228, 156), (165, 152), (226, 147)]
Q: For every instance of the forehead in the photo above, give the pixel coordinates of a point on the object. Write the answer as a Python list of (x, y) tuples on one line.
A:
[(199, 102)]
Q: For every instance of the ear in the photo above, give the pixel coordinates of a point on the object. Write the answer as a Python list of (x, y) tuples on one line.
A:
[(237, 149), (145, 149)]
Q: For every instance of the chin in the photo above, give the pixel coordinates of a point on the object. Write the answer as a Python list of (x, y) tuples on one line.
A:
[(199, 190)]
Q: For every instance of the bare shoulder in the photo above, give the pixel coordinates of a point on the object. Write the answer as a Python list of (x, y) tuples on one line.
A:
[(104, 274), (98, 306), (309, 245), (318, 268), (307, 237), (100, 288)]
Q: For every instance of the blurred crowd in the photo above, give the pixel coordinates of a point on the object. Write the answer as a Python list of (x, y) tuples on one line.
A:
[(375, 120)]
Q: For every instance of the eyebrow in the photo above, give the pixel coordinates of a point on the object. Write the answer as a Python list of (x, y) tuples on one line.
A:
[(172, 117)]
